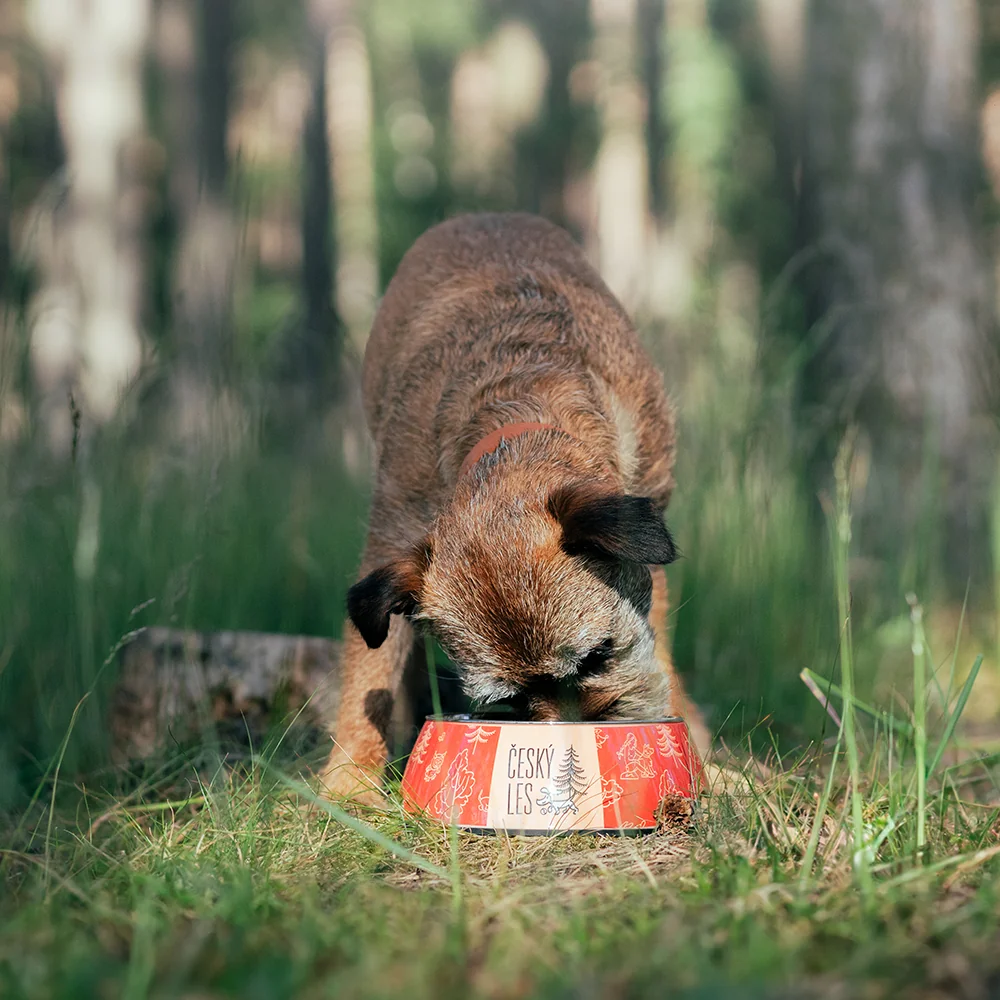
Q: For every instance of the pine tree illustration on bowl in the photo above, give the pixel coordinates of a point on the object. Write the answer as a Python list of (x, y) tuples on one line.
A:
[(569, 784)]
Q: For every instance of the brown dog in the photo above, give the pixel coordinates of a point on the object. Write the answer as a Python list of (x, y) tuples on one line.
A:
[(524, 448)]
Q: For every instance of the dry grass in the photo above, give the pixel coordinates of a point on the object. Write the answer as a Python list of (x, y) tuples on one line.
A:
[(227, 885)]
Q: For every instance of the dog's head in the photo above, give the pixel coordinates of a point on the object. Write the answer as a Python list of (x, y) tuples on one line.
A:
[(540, 597)]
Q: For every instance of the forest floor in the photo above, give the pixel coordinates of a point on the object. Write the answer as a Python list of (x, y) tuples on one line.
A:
[(225, 882), (205, 875)]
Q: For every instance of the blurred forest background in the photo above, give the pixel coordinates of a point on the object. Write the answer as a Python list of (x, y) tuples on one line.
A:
[(201, 201)]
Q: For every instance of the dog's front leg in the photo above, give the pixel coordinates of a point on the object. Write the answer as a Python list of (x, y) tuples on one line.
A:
[(370, 684)]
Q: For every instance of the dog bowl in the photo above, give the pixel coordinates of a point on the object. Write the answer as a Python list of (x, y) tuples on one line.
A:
[(551, 777)]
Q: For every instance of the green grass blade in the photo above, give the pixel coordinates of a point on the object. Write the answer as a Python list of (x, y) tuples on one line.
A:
[(996, 554), (828, 688), (821, 808), (432, 675), (840, 532), (57, 758), (55, 782), (949, 729), (366, 831), (919, 715), (958, 642)]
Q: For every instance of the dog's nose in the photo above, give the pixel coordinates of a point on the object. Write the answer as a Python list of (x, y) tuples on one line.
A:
[(545, 711), (557, 703)]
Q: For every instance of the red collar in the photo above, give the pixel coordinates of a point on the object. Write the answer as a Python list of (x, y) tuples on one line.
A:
[(492, 441)]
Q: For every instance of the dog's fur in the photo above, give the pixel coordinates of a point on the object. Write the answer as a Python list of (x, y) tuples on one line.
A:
[(538, 571)]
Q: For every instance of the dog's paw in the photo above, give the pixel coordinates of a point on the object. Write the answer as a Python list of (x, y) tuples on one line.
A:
[(344, 781)]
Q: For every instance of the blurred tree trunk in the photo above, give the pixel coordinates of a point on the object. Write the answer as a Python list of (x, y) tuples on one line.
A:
[(86, 329), (545, 152), (194, 50), (318, 349), (782, 30), (896, 283), (622, 167), (340, 262), (651, 21), (700, 102), (11, 410), (10, 28), (350, 115)]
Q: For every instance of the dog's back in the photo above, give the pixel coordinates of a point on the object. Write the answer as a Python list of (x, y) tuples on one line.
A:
[(480, 296), (459, 266)]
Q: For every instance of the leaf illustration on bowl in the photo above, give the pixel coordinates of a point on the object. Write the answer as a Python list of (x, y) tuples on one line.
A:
[(457, 787)]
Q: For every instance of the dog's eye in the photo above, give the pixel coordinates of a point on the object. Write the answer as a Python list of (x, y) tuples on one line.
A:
[(597, 660)]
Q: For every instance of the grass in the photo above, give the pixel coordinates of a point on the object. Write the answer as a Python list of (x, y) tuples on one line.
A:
[(143, 537), (226, 883), (857, 861), (841, 545), (202, 877)]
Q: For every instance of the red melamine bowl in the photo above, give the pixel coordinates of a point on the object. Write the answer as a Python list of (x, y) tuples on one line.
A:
[(550, 777)]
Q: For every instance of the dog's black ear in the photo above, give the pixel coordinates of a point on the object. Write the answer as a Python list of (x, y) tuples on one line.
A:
[(393, 589), (612, 525)]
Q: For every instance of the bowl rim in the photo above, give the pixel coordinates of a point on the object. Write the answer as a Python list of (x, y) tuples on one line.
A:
[(469, 719)]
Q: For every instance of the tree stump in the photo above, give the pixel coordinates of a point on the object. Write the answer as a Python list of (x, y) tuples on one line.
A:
[(175, 685)]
